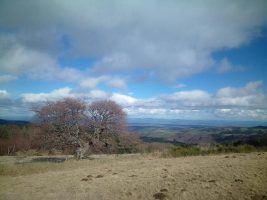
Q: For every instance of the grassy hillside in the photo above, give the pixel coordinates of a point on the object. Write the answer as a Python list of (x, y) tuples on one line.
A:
[(148, 176)]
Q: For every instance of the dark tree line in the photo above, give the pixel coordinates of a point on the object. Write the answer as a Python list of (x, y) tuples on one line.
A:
[(14, 138)]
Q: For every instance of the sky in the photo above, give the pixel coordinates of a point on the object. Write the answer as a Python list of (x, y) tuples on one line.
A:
[(195, 60)]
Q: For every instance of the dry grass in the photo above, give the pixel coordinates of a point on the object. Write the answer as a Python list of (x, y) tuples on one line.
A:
[(19, 166), (231, 176)]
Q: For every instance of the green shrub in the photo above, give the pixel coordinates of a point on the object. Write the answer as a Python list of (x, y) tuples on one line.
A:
[(246, 148), (243, 148), (185, 151)]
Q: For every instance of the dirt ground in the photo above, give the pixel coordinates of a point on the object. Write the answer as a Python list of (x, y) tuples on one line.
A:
[(231, 176)]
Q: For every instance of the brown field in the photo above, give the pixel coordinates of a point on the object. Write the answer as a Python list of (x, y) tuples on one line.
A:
[(231, 176)]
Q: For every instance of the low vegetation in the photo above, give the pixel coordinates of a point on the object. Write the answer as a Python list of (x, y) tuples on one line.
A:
[(213, 149)]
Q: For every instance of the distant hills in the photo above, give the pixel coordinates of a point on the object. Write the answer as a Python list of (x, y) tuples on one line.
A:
[(154, 122), (13, 122), (196, 123), (201, 134)]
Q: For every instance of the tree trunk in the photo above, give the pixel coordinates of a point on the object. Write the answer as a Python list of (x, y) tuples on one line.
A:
[(82, 151)]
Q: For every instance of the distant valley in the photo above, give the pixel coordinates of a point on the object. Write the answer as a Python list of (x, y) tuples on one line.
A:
[(200, 134)]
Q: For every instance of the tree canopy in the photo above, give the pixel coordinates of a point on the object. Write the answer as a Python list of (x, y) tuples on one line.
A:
[(71, 122)]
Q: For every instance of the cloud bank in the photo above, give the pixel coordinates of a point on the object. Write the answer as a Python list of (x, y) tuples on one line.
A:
[(162, 40), (244, 103)]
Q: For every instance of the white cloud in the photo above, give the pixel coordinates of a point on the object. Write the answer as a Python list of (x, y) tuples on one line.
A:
[(16, 60), (146, 112), (65, 92), (18, 111), (243, 103), (170, 39), (243, 114), (69, 74), (93, 82), (189, 98), (250, 88), (7, 78), (117, 83), (124, 100), (114, 62), (3, 94), (249, 96), (53, 95), (98, 94)]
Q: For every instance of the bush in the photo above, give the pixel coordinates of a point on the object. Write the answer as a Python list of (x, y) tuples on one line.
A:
[(185, 151), (14, 138), (127, 143)]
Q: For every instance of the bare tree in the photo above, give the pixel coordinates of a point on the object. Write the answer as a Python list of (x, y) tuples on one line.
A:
[(106, 122), (69, 123), (61, 123)]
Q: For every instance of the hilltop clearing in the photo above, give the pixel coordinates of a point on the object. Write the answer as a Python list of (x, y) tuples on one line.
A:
[(230, 176)]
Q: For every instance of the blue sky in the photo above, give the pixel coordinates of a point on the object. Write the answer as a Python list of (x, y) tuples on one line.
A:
[(160, 59)]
